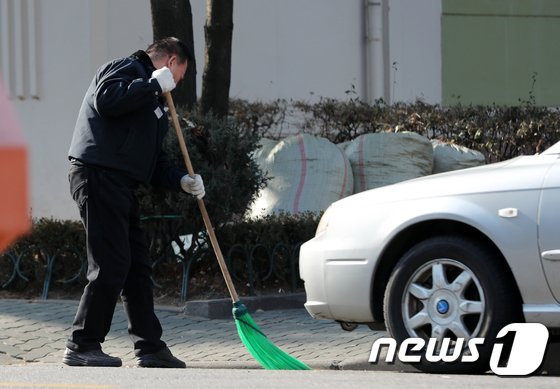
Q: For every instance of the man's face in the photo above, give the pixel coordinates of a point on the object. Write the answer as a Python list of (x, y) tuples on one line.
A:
[(177, 69)]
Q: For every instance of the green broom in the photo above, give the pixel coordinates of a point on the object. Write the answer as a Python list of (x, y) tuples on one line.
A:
[(262, 349)]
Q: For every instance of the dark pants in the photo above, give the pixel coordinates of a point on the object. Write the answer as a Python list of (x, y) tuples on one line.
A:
[(118, 262)]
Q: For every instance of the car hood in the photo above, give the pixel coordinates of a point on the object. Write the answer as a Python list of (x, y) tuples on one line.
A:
[(521, 173)]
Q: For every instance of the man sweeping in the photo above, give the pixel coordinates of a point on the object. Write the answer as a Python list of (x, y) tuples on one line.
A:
[(115, 146)]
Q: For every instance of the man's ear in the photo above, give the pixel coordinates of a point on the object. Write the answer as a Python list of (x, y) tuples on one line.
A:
[(171, 60)]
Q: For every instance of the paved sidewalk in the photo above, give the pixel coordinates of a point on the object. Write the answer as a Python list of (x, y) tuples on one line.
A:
[(36, 331)]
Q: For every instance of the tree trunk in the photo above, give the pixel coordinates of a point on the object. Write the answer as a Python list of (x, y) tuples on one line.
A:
[(174, 18), (216, 79)]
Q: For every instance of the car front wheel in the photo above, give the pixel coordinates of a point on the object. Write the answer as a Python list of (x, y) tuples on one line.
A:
[(451, 288)]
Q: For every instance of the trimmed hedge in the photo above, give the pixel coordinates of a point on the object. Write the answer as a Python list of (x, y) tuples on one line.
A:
[(499, 132)]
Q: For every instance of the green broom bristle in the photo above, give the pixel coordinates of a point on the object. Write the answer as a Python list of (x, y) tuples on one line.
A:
[(260, 347)]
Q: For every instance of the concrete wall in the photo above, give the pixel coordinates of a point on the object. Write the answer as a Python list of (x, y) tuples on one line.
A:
[(71, 43), (415, 50), (291, 48)]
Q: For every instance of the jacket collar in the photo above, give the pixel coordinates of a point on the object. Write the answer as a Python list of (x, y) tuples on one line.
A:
[(144, 59)]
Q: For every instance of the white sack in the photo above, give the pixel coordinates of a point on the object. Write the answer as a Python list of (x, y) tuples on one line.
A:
[(307, 173), (386, 158), (449, 156)]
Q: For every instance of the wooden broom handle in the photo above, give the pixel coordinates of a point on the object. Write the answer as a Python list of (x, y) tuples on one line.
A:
[(201, 205)]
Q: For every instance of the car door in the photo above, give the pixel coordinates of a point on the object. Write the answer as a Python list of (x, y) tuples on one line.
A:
[(549, 228)]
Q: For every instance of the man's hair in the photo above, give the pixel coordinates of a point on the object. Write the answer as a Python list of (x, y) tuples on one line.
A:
[(170, 46)]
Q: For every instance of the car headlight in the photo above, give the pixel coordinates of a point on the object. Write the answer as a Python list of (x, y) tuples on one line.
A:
[(324, 222)]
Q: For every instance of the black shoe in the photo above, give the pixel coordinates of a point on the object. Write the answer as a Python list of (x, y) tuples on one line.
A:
[(162, 358), (90, 358)]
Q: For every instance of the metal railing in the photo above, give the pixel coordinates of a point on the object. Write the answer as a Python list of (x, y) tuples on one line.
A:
[(252, 265), (37, 264)]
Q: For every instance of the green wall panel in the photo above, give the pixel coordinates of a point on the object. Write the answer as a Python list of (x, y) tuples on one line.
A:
[(502, 7), (493, 50)]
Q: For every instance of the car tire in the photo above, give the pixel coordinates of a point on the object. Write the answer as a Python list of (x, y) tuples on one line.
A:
[(450, 287)]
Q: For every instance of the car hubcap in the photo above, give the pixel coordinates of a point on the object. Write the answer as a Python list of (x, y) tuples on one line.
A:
[(442, 307), (443, 299)]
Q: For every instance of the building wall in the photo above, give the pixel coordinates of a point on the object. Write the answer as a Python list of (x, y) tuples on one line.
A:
[(415, 50), (501, 51), (307, 49), (291, 49), (73, 38)]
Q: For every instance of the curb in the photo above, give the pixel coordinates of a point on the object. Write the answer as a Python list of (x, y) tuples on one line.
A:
[(213, 308), (221, 308)]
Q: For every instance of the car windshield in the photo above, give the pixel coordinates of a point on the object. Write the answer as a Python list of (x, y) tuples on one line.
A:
[(554, 149)]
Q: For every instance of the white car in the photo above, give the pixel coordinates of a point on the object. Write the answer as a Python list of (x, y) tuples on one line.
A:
[(453, 255)]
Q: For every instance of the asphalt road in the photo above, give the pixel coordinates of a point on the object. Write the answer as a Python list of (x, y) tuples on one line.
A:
[(57, 376)]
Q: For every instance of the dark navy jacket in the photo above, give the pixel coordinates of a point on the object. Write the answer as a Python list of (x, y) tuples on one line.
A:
[(122, 123)]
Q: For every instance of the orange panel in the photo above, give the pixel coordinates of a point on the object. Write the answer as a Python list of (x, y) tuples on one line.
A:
[(14, 206)]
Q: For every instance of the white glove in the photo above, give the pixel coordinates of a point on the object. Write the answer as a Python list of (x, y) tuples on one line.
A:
[(164, 77), (194, 186)]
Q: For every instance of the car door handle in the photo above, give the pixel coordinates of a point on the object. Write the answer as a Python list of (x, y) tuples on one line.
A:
[(551, 255)]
